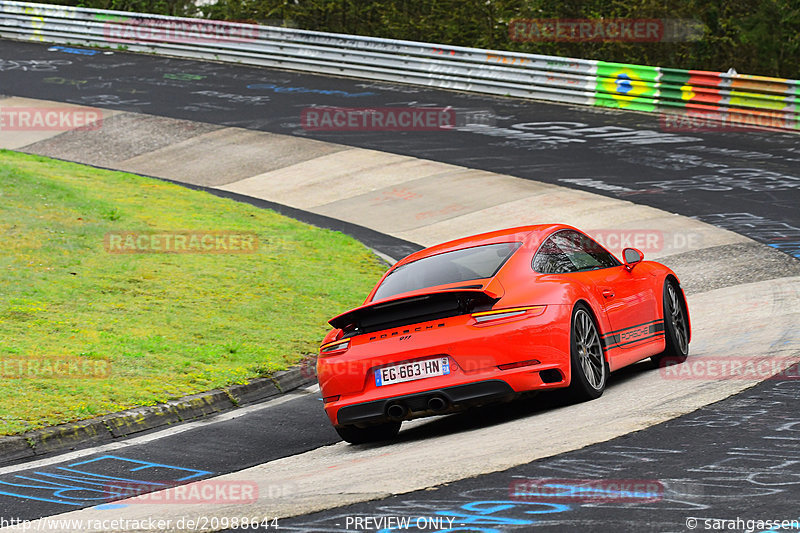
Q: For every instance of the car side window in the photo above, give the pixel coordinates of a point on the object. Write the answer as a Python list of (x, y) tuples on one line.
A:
[(571, 251), (551, 259)]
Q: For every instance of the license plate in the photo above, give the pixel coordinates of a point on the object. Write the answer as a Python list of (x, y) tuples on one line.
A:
[(411, 371)]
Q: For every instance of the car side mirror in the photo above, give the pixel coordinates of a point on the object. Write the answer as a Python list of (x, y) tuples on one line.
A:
[(632, 256)]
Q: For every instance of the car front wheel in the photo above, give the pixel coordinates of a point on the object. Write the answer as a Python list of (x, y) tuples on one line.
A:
[(676, 327)]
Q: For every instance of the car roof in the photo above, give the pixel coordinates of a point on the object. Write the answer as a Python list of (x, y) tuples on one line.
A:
[(531, 235)]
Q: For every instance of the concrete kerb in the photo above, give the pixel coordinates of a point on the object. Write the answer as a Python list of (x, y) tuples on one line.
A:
[(113, 426)]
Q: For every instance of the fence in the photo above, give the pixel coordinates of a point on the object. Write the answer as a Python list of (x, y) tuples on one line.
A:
[(735, 98)]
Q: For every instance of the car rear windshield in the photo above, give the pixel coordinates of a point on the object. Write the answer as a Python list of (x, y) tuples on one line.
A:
[(458, 266)]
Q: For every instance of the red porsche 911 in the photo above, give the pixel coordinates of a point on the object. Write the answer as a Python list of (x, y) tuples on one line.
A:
[(484, 318)]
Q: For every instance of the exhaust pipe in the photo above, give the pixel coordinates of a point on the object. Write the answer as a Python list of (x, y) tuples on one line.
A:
[(437, 403), (397, 411)]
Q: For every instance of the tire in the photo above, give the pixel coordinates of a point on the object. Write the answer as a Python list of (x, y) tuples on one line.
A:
[(676, 327), (588, 366), (375, 433)]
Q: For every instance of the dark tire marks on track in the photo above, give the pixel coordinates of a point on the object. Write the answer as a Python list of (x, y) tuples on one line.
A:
[(710, 175)]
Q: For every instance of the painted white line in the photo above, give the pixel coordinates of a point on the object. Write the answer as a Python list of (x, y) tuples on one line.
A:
[(150, 437), (313, 389)]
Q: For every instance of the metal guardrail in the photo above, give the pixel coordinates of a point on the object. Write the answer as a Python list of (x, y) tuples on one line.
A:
[(740, 99)]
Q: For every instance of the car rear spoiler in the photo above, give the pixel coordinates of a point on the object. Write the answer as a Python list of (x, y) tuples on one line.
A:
[(414, 309)]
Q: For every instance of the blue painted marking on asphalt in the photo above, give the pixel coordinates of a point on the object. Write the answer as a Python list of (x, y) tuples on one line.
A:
[(111, 506), (35, 498), (76, 487), (282, 89), (79, 51), (794, 248), (485, 513), (144, 465)]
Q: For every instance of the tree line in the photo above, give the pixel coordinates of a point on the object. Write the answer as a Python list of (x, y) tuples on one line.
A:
[(752, 37)]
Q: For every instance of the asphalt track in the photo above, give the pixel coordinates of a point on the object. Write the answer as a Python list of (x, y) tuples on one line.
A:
[(292, 424), (710, 175), (736, 459), (773, 197)]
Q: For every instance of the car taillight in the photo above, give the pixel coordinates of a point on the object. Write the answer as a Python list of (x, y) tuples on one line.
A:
[(499, 314), (509, 366), (333, 348)]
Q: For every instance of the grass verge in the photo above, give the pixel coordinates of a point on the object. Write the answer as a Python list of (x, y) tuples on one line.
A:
[(84, 331)]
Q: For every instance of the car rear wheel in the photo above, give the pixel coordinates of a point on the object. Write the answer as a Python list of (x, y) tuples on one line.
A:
[(375, 433), (589, 369), (676, 327)]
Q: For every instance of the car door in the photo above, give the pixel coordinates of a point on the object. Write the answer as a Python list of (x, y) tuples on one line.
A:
[(630, 305), (627, 296)]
